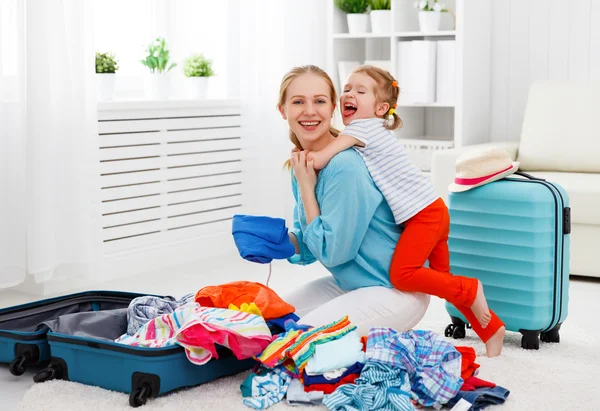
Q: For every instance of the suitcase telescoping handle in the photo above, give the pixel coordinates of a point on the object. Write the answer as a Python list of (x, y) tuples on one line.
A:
[(566, 210), (529, 176)]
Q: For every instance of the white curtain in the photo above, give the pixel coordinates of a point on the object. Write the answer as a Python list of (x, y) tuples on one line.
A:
[(275, 35), (48, 133)]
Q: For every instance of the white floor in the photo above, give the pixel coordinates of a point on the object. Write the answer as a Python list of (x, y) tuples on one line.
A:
[(583, 308)]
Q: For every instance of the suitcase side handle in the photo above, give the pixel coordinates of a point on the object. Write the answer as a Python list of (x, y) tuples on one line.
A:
[(529, 176)]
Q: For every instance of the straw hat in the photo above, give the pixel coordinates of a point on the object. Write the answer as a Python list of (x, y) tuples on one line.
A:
[(477, 167)]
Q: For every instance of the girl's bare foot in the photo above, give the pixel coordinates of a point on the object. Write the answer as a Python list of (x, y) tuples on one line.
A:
[(493, 346), (480, 308)]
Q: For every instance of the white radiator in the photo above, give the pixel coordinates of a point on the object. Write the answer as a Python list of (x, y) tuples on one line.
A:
[(170, 171)]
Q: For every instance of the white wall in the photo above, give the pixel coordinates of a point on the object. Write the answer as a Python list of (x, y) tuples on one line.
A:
[(274, 37), (538, 40)]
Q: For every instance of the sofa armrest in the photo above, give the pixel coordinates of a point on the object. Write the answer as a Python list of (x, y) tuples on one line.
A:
[(443, 164)]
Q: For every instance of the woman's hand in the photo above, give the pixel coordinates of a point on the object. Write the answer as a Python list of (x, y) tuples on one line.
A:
[(307, 180), (304, 171)]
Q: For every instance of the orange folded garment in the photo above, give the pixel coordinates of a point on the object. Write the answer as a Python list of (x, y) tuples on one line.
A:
[(238, 292)]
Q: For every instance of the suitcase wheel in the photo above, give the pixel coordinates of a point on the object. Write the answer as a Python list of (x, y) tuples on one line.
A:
[(140, 395), (552, 336), (17, 366), (459, 333), (456, 330), (530, 339), (51, 372)]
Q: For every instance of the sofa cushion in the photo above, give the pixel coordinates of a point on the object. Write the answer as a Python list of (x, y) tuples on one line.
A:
[(560, 129), (584, 194)]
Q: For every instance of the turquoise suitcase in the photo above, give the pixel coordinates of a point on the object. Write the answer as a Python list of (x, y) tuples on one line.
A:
[(513, 235), (23, 343)]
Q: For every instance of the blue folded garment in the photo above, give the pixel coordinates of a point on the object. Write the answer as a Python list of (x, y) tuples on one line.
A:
[(261, 239), (481, 397), (280, 322)]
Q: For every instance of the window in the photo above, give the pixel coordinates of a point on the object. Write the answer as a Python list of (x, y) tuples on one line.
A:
[(189, 26), (201, 27), (125, 28)]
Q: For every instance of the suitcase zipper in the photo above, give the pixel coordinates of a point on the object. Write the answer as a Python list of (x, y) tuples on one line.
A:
[(61, 304), (561, 206), (116, 347)]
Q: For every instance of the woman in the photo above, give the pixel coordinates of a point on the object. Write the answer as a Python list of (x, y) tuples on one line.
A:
[(340, 219)]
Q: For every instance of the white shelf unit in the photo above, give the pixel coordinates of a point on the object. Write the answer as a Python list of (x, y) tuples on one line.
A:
[(435, 125)]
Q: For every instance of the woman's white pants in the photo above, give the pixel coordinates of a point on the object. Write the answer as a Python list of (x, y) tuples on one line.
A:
[(322, 301)]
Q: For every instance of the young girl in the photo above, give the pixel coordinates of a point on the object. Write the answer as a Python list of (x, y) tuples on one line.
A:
[(367, 106)]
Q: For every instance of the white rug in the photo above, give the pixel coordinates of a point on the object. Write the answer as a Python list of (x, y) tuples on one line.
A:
[(558, 377)]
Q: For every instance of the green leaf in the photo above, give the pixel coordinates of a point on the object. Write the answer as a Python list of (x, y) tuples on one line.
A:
[(352, 6), (380, 4), (158, 55), (106, 63), (197, 66)]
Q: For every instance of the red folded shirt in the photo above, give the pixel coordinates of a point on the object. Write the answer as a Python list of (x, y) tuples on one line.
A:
[(472, 383), (329, 388), (468, 365)]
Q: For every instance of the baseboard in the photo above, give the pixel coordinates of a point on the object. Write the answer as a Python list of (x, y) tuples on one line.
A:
[(124, 265)]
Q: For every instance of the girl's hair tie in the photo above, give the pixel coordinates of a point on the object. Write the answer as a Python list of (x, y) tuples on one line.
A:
[(394, 83)]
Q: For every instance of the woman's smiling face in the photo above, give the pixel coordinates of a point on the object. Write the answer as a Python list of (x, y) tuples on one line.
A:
[(308, 107)]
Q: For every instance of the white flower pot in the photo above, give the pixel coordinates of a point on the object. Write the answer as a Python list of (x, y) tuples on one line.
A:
[(358, 23), (429, 21), (381, 21), (197, 87), (105, 86), (157, 86)]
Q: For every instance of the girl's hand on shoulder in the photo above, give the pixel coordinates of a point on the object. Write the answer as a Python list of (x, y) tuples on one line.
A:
[(304, 170), (318, 159)]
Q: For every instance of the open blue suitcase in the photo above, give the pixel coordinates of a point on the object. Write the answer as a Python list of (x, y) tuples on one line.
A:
[(22, 344), (512, 234), (141, 372), (91, 357)]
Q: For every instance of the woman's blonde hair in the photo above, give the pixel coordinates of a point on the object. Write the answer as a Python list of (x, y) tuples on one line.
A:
[(387, 91), (285, 83)]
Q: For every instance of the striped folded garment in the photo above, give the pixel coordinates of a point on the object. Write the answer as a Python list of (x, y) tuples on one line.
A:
[(198, 329)]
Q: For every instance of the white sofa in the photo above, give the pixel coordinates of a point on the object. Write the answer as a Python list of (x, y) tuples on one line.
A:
[(560, 142)]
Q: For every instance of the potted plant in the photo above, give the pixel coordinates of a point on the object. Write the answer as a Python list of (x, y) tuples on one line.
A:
[(381, 16), (197, 70), (106, 67), (157, 60), (430, 14), (356, 13)]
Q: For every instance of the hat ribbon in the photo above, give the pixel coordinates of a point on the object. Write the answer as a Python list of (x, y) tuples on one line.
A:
[(477, 180)]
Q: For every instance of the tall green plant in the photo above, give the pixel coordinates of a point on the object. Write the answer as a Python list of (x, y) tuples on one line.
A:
[(158, 57), (352, 6), (106, 63), (380, 4)]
